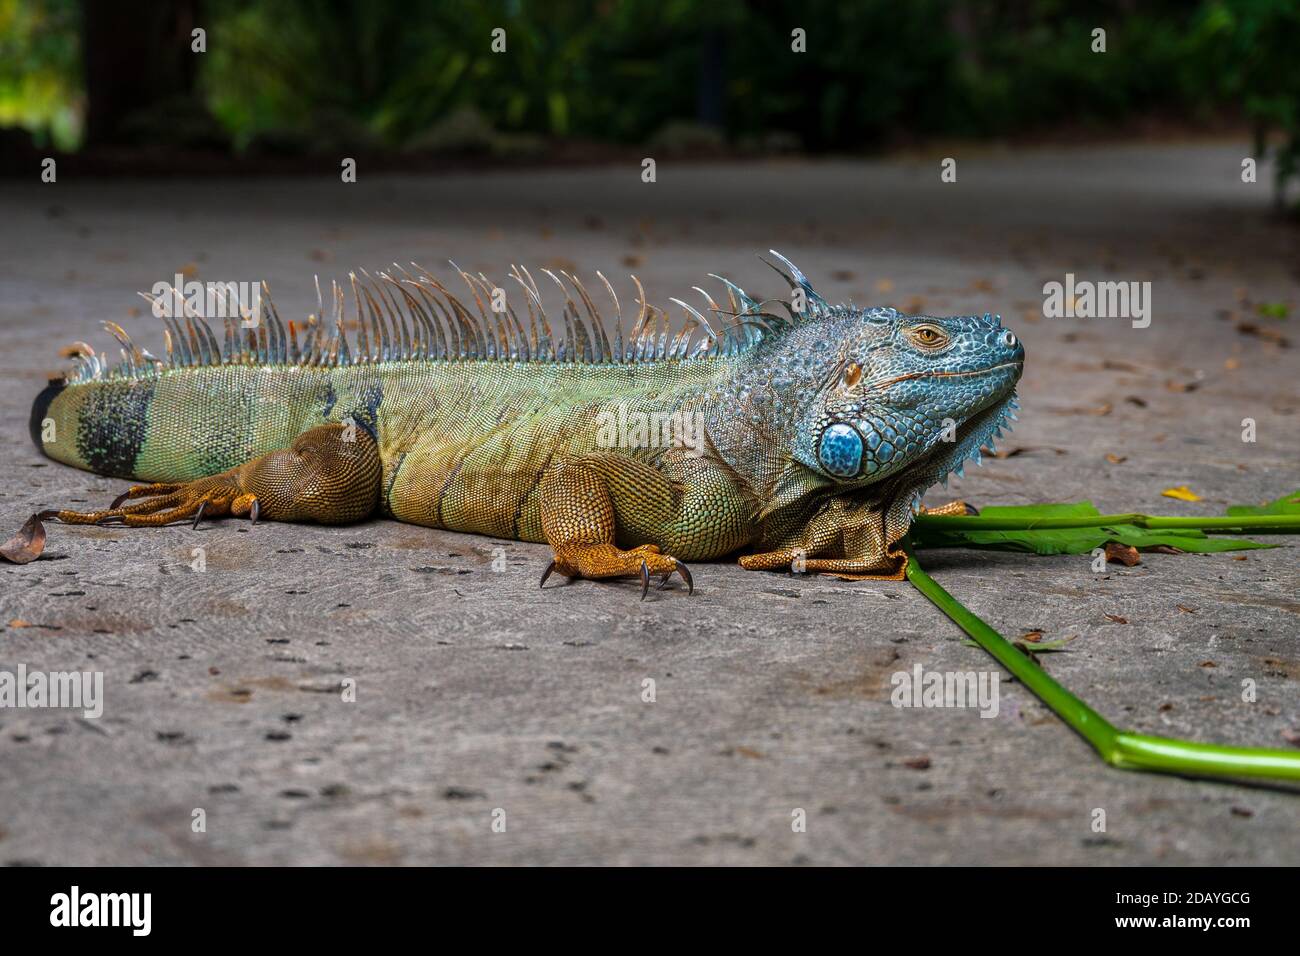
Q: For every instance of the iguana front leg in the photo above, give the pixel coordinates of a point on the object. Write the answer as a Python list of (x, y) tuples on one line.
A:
[(849, 538), (592, 504), (330, 475)]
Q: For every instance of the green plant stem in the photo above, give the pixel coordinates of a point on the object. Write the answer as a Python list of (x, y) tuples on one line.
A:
[(1242, 524), (1119, 748)]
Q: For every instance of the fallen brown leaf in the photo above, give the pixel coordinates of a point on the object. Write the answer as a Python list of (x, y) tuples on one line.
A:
[(917, 763), (1117, 459), (1117, 619), (1032, 636), (1185, 609), (1019, 450), (1207, 664), (1266, 333), (1124, 554)]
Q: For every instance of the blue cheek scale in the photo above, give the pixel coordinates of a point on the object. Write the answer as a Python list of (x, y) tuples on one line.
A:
[(841, 450)]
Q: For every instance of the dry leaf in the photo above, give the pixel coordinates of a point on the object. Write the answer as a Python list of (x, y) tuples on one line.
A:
[(631, 260), (1136, 400), (1032, 637), (1207, 664), (1182, 493), (1124, 554), (917, 763), (1117, 459), (19, 622), (1181, 386), (1019, 450), (1117, 619), (1239, 557), (1231, 364), (1185, 609), (1266, 333)]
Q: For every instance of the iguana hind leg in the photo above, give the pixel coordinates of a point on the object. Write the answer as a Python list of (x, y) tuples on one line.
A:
[(330, 475)]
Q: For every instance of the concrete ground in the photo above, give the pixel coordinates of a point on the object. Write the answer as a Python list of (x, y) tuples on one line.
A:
[(480, 698)]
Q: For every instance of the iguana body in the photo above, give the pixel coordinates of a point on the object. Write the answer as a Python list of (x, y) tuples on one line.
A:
[(805, 439)]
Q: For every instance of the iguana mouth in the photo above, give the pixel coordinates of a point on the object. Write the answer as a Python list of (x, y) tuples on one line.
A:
[(910, 376)]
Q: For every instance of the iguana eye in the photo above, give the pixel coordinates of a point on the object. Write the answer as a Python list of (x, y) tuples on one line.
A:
[(928, 336), (852, 375)]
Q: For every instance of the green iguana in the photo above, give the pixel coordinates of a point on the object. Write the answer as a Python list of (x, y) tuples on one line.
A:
[(803, 438)]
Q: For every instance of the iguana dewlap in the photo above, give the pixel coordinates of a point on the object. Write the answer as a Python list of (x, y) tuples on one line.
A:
[(801, 439)]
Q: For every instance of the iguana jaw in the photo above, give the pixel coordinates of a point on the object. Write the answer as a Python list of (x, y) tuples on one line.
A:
[(977, 432)]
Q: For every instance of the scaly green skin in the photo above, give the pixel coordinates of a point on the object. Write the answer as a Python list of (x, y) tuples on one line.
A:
[(816, 437)]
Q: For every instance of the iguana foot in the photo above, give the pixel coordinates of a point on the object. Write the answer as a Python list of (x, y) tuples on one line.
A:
[(216, 497), (951, 508), (606, 561), (892, 567)]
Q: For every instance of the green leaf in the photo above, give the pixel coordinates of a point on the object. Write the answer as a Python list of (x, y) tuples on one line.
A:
[(1075, 540), (1286, 505)]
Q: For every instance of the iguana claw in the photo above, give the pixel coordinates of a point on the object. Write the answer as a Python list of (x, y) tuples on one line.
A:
[(546, 574)]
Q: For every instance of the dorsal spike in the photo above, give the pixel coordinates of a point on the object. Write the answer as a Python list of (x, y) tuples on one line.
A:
[(617, 354), (816, 304), (597, 322), (740, 302)]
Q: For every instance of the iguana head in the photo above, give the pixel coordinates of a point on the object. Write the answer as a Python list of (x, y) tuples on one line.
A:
[(902, 390), (873, 394)]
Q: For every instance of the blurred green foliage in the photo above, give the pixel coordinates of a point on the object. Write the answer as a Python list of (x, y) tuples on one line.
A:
[(303, 75), (40, 72)]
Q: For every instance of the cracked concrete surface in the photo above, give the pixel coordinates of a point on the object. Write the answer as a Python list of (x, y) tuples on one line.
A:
[(476, 692)]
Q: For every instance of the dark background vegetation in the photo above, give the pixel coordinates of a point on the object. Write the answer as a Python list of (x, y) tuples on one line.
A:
[(417, 77)]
